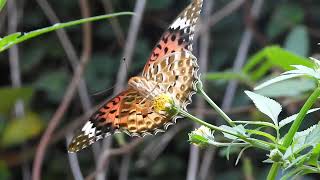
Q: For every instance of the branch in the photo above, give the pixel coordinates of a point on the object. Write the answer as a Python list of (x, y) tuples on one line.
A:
[(104, 157), (240, 58), (200, 103)]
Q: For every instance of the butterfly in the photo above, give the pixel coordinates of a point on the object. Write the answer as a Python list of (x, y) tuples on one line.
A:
[(171, 69)]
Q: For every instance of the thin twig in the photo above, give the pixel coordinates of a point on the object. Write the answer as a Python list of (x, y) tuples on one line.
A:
[(128, 53), (73, 161), (114, 23), (241, 56), (105, 156), (72, 56), (53, 123), (124, 168), (219, 15), (3, 16), (15, 74), (200, 103), (229, 95), (158, 144)]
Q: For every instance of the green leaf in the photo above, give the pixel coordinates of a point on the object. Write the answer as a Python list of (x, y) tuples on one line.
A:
[(275, 80), (298, 41), (289, 119), (19, 130), (261, 133), (284, 17), (2, 3), (290, 87), (228, 75), (273, 56), (303, 70), (9, 97), (239, 129), (267, 106), (16, 38), (299, 71), (313, 137), (302, 140)]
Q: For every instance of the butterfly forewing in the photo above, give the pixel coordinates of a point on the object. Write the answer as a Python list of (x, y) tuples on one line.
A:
[(179, 35), (171, 69)]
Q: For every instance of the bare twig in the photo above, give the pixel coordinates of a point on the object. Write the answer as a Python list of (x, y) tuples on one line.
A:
[(219, 15), (241, 56), (73, 161), (130, 43), (200, 103), (229, 95), (3, 16), (114, 23), (158, 144), (70, 92), (124, 168), (71, 53), (13, 21), (128, 148), (128, 52)]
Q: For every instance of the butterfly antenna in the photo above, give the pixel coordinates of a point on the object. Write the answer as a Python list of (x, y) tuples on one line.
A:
[(103, 91), (106, 90), (125, 62)]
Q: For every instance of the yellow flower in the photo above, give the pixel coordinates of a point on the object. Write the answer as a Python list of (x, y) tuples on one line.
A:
[(163, 102)]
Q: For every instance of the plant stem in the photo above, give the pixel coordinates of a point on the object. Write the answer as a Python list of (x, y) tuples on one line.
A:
[(254, 142), (214, 105), (294, 128)]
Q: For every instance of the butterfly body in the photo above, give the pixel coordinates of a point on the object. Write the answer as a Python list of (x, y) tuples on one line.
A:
[(171, 70)]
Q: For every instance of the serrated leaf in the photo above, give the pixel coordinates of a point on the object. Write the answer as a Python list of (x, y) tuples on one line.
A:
[(303, 70), (289, 119), (267, 106), (239, 129), (298, 41), (275, 80), (300, 140), (19, 130), (313, 137), (288, 88)]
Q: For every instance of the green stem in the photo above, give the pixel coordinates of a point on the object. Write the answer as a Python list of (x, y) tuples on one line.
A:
[(214, 105), (254, 142), (294, 128)]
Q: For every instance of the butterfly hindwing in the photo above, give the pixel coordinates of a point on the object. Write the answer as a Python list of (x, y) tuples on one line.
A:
[(175, 73), (128, 112)]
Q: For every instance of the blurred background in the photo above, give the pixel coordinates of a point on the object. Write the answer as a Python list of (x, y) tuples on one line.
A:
[(35, 75)]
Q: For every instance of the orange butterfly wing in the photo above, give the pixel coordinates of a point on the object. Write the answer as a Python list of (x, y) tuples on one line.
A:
[(179, 36), (128, 112)]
